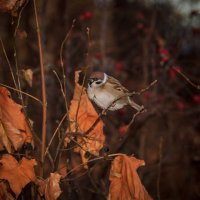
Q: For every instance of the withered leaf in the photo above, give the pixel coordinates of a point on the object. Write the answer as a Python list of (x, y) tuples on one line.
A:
[(87, 115), (125, 182), (4, 141), (50, 187), (17, 174), (13, 120), (7, 5), (28, 76)]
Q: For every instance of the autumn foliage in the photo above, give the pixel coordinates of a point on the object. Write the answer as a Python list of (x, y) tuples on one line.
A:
[(15, 132), (55, 143), (86, 117), (14, 127), (125, 182), (18, 174)]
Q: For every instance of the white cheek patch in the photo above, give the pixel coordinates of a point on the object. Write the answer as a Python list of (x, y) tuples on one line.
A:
[(105, 78)]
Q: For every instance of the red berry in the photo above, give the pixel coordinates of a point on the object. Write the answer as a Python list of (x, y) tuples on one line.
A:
[(88, 15), (98, 56), (140, 26), (122, 111), (180, 105), (196, 99), (123, 129), (118, 66), (148, 95), (174, 71)]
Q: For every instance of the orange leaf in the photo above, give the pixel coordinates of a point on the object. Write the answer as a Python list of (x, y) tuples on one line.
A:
[(4, 141), (50, 187), (13, 120), (87, 115), (125, 182), (17, 174)]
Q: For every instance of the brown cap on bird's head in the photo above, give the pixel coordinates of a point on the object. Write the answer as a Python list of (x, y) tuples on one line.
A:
[(98, 75)]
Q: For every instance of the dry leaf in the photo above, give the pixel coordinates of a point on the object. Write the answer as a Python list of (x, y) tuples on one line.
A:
[(17, 174), (87, 115), (4, 194), (125, 182), (13, 120), (50, 187), (28, 76), (4, 142), (7, 5)]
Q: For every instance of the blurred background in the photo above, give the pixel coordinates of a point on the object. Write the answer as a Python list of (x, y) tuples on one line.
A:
[(137, 42)]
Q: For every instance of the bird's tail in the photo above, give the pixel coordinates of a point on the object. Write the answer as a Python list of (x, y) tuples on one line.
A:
[(135, 105)]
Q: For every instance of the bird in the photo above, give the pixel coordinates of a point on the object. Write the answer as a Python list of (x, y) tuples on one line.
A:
[(108, 93)]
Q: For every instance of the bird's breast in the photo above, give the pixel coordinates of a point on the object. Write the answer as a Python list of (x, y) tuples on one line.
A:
[(104, 99)]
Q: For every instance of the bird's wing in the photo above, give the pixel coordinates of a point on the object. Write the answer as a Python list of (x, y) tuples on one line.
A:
[(116, 85)]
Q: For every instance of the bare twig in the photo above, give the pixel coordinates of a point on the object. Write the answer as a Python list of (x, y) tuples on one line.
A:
[(19, 18), (187, 79), (9, 64), (55, 132), (93, 160), (17, 72), (62, 63), (133, 118), (44, 101), (143, 90), (86, 68), (159, 167), (63, 91), (25, 93)]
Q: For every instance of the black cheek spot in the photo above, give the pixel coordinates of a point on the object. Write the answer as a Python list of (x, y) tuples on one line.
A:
[(98, 82)]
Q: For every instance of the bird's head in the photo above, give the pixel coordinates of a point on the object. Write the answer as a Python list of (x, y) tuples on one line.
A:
[(97, 79)]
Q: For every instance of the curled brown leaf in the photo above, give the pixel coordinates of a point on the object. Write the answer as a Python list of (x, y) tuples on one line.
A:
[(13, 120), (86, 117), (50, 187), (125, 182)]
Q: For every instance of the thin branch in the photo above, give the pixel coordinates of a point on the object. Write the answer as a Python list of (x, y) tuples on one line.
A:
[(55, 132), (19, 18), (64, 87), (9, 64), (159, 167), (93, 160), (133, 118), (143, 90), (25, 93), (64, 97), (76, 116), (187, 79), (44, 101), (17, 72)]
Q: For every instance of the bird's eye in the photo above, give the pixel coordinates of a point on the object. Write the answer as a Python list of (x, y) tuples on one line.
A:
[(98, 82)]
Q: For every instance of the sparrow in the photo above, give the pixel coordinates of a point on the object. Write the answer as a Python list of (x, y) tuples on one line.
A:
[(104, 90)]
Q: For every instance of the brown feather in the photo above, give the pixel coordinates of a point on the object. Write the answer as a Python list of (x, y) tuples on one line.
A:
[(117, 85)]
